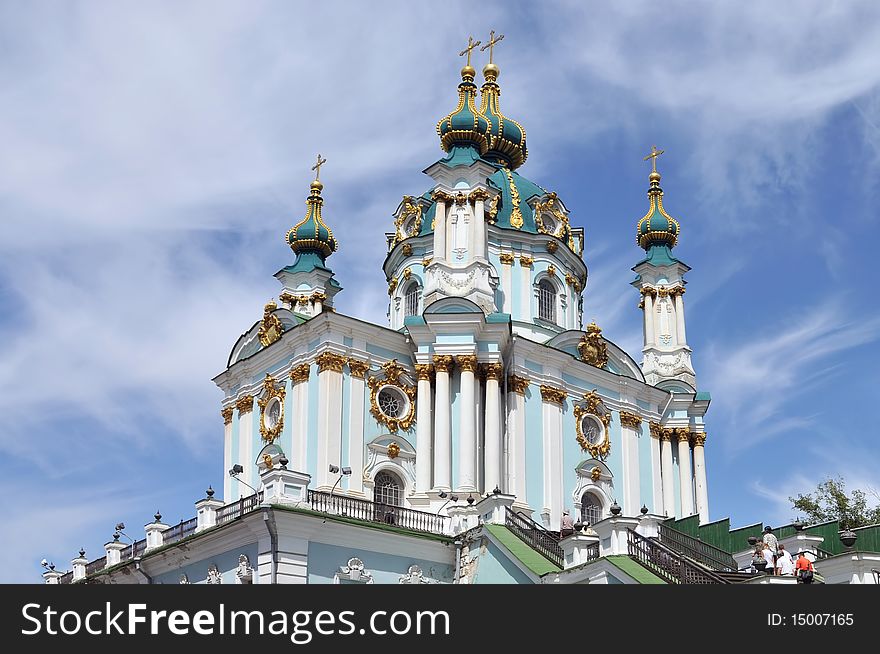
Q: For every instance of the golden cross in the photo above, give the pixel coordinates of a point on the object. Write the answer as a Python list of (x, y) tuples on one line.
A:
[(491, 44), (467, 51), (317, 167), (653, 157)]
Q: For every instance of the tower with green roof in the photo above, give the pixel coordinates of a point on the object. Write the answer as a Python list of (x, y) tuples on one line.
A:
[(660, 281), (309, 285)]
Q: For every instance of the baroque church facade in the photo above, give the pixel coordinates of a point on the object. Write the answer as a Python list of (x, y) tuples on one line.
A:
[(448, 445), (483, 378)]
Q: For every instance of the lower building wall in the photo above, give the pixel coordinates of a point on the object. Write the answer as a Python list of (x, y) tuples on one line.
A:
[(325, 560), (495, 568), (227, 564)]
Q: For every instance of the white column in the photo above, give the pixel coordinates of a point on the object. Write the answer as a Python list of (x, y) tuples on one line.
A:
[(552, 400), (442, 435), (467, 468), (516, 436), (629, 425), (245, 406), (525, 289), (329, 415), (685, 479), (439, 226), (506, 264), (227, 413), (299, 426), (423, 428), (479, 246), (656, 474), (666, 472), (649, 319), (356, 426), (679, 317), (700, 477), (493, 427)]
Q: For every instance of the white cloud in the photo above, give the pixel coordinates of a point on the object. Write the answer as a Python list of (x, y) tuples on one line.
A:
[(755, 379)]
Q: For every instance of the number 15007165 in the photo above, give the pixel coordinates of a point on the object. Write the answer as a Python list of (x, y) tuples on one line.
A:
[(810, 620)]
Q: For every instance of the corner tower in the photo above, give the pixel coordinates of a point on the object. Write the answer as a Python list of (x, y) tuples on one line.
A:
[(660, 281)]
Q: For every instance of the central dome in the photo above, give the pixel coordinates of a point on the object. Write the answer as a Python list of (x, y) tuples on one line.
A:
[(507, 138), (465, 125)]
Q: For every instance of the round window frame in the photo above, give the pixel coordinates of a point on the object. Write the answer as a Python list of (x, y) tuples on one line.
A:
[(549, 223), (266, 412), (405, 405), (600, 428)]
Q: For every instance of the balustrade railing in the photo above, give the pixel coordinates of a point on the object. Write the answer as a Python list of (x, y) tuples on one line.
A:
[(535, 536), (95, 566), (359, 509), (668, 564), (693, 548), (179, 531), (237, 509)]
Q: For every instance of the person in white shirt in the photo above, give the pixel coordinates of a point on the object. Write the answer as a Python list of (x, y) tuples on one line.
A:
[(784, 562), (768, 557)]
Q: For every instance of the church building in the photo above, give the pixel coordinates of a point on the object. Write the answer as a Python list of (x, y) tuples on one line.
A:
[(482, 435)]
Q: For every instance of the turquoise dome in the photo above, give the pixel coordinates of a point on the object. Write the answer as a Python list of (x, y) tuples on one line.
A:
[(657, 227), (311, 234), (465, 125), (507, 138)]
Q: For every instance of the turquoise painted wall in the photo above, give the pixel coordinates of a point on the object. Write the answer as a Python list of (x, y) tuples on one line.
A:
[(286, 440), (572, 455), (534, 452), (227, 564), (646, 471), (325, 560), (517, 309), (615, 458), (496, 568), (388, 354)]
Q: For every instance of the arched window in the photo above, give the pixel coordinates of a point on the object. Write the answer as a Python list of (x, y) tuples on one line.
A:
[(591, 509), (387, 494), (389, 489), (547, 301), (411, 300)]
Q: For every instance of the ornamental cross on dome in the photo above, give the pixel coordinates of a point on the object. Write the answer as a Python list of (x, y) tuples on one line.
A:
[(467, 51), (317, 167), (653, 157), (491, 43)]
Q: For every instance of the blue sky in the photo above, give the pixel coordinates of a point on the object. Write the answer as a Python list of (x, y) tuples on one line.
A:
[(153, 156)]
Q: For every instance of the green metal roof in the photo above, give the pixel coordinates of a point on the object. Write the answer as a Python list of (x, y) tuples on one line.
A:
[(523, 553)]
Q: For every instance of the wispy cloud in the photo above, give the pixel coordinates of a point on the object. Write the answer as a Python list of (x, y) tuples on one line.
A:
[(755, 379)]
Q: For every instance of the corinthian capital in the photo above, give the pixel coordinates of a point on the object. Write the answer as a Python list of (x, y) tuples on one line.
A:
[(443, 362), (467, 362)]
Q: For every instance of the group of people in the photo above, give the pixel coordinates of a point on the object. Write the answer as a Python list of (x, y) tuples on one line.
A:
[(778, 561)]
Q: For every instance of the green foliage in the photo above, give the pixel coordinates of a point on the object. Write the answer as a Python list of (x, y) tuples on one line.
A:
[(830, 502)]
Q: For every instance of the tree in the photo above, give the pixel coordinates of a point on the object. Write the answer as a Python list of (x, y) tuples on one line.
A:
[(830, 502)]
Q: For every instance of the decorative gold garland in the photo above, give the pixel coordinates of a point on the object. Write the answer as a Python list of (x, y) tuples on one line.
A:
[(392, 371), (595, 408), (269, 434)]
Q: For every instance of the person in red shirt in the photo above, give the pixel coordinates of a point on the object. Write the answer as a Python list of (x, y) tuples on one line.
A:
[(802, 566)]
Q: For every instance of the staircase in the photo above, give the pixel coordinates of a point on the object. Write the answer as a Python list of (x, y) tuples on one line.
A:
[(666, 563), (534, 535), (708, 555)]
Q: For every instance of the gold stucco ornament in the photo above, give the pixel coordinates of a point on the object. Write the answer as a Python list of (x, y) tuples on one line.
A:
[(592, 348)]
